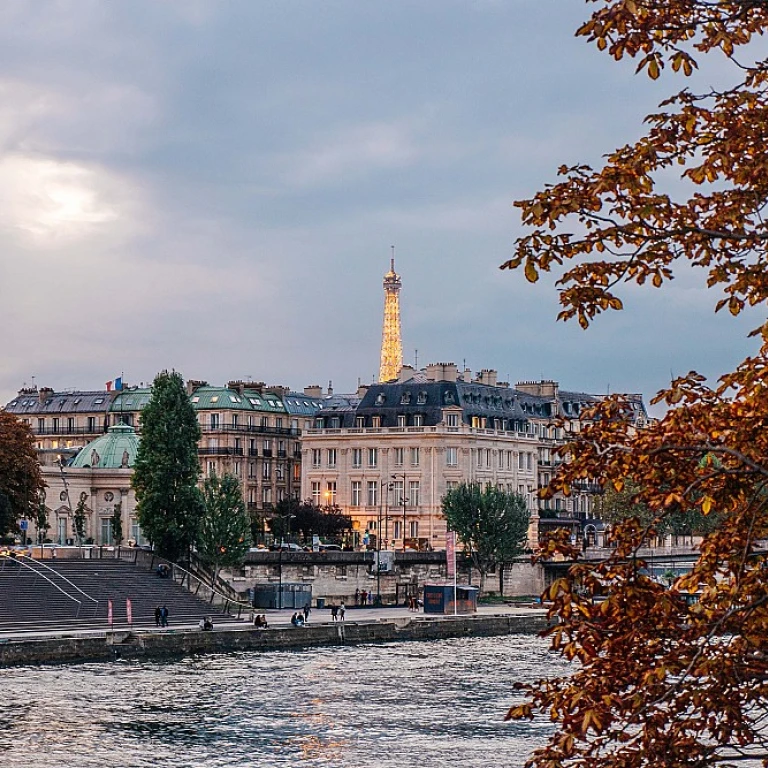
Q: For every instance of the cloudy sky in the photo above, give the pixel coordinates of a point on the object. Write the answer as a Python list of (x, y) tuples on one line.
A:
[(214, 187)]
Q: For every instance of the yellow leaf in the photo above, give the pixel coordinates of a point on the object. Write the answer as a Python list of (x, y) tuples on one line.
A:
[(530, 272), (653, 69), (706, 504)]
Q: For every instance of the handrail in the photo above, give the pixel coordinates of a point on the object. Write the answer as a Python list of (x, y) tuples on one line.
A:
[(212, 588), (60, 575), (36, 572)]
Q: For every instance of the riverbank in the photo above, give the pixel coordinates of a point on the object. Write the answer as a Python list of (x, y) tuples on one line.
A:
[(183, 641)]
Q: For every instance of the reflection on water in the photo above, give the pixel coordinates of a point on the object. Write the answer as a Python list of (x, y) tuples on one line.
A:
[(404, 705)]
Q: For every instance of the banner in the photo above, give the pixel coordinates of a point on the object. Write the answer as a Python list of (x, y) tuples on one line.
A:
[(109, 612), (450, 554), (129, 610)]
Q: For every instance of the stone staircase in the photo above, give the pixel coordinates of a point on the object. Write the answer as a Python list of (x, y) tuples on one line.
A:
[(39, 597)]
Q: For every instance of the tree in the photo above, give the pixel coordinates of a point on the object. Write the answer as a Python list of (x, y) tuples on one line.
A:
[(490, 523), (79, 520), (225, 529), (309, 519), (168, 501), (678, 675), (116, 521), (42, 521), (21, 481)]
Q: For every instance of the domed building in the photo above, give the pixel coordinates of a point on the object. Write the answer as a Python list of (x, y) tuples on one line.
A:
[(100, 476)]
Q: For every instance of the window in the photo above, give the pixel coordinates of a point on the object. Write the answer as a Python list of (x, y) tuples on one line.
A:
[(266, 469), (452, 419), (210, 468), (214, 421), (414, 457), (235, 420), (279, 422), (451, 484), (452, 457), (375, 421), (297, 472), (237, 469), (413, 529), (488, 458), (316, 454), (359, 422), (357, 458), (331, 457), (55, 425), (401, 420), (315, 491), (251, 468), (399, 456), (373, 457), (418, 420), (413, 493), (529, 461), (266, 495), (41, 424), (422, 398), (215, 399), (279, 472), (479, 454), (356, 493), (397, 529), (521, 461), (373, 493), (91, 423), (330, 493), (398, 491), (70, 424)]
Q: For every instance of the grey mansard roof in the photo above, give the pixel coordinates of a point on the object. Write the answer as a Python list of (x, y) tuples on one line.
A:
[(471, 399)]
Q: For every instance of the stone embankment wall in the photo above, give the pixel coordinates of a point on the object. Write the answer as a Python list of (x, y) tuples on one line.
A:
[(336, 575), (169, 644)]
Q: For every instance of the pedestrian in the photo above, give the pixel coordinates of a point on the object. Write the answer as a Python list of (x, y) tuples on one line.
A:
[(364, 596), (157, 616), (307, 611), (164, 616), (357, 596), (53, 553), (334, 612), (342, 611)]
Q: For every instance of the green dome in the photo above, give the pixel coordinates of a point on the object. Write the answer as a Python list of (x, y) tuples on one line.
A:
[(115, 450)]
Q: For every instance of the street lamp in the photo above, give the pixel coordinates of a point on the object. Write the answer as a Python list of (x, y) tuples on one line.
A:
[(280, 562), (385, 488), (403, 501)]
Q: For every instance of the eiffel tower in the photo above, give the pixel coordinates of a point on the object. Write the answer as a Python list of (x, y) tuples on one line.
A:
[(391, 343)]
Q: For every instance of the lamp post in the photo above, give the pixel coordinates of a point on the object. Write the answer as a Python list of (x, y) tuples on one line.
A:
[(280, 562), (403, 501), (385, 488)]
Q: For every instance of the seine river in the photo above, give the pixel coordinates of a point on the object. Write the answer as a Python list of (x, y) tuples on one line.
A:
[(403, 705)]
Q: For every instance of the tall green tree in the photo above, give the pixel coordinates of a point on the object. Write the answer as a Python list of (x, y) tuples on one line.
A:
[(225, 528), (21, 481), (490, 523), (293, 515), (168, 501)]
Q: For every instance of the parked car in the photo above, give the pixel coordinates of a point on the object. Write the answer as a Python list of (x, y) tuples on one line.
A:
[(330, 548), (287, 546)]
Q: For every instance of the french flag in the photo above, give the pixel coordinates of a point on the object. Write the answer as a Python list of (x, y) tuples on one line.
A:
[(115, 385)]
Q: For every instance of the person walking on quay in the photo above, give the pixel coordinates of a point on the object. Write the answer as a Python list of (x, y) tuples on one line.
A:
[(342, 611), (357, 596), (164, 616), (364, 597), (334, 612), (158, 613), (307, 611)]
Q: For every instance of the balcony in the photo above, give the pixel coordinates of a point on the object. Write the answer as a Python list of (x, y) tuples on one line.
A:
[(267, 453), (219, 451), (97, 429), (250, 429), (253, 452), (282, 454)]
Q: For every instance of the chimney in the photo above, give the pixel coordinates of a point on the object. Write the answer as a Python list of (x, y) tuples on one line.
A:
[(361, 390), (330, 387), (406, 372), (193, 384), (442, 372), (488, 377), (238, 386), (277, 389), (44, 394), (313, 390)]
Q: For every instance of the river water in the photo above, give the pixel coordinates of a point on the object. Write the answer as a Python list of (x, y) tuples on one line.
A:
[(401, 705)]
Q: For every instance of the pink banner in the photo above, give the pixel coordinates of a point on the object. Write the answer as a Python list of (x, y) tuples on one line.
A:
[(109, 612), (129, 610), (450, 553)]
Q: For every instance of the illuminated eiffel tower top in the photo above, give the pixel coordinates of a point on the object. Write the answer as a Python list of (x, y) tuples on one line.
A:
[(391, 343)]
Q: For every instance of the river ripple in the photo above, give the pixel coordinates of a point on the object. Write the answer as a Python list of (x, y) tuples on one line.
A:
[(400, 705)]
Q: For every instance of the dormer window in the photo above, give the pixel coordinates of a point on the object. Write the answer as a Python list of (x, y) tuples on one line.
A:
[(405, 398), (422, 399), (381, 399)]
